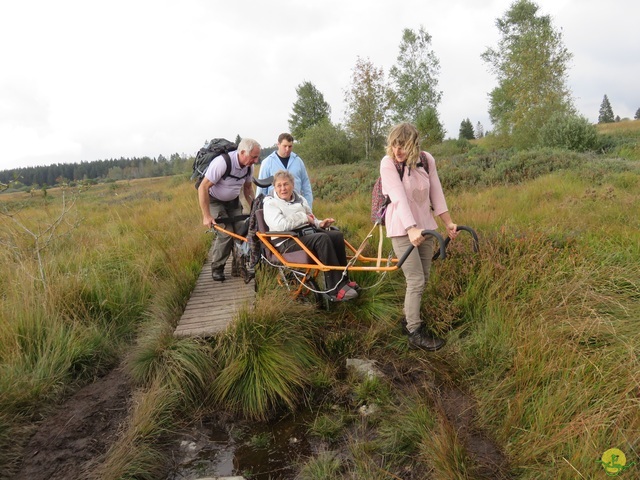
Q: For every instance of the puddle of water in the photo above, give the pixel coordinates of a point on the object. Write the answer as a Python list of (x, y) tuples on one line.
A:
[(263, 451)]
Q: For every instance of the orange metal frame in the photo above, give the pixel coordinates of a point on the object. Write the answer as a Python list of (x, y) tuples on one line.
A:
[(265, 238)]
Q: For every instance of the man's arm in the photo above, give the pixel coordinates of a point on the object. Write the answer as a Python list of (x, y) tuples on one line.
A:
[(203, 201), (305, 188), (248, 192)]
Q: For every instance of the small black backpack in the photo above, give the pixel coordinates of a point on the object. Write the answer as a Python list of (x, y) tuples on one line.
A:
[(216, 147)]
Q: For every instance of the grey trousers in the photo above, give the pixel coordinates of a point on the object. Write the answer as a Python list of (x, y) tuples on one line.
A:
[(416, 273), (224, 243)]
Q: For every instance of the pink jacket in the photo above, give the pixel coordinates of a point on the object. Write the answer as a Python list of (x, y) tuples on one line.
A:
[(412, 197)]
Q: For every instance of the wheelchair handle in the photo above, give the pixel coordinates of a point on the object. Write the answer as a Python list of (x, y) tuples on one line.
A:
[(263, 182), (460, 228), (433, 233)]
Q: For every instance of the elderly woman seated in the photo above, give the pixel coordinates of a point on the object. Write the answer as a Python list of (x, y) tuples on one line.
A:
[(285, 210)]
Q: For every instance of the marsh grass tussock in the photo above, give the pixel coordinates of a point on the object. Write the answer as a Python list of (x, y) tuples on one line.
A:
[(265, 357), (182, 365)]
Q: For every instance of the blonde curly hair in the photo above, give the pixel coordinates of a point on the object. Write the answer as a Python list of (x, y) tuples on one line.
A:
[(406, 136)]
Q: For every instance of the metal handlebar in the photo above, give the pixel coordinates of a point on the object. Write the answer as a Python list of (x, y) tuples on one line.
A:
[(433, 233), (443, 243), (459, 228)]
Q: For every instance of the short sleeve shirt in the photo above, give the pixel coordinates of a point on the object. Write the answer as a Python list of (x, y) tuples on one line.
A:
[(228, 188)]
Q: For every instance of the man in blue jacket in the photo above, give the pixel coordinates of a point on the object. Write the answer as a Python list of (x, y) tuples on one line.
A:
[(284, 159)]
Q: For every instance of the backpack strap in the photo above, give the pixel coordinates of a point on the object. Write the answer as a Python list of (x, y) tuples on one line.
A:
[(227, 173), (422, 162)]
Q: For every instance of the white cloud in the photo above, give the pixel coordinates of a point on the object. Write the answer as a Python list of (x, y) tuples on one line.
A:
[(92, 80)]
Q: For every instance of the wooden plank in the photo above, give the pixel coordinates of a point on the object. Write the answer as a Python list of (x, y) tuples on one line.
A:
[(213, 305)]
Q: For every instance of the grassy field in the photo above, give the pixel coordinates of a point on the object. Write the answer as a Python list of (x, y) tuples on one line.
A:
[(541, 324), (82, 272), (624, 138)]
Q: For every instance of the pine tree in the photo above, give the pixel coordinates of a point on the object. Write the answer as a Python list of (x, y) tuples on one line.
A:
[(466, 130), (637, 115), (309, 109), (606, 112), (430, 128), (479, 130)]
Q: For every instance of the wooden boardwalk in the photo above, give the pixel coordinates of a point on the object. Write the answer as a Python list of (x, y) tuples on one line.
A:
[(213, 305)]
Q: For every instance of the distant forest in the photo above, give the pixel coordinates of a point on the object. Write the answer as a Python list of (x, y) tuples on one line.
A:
[(120, 169), (100, 170)]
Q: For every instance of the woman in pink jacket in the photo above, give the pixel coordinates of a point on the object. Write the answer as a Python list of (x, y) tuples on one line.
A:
[(410, 178)]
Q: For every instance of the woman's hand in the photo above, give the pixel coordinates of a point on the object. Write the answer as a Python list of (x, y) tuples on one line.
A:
[(451, 227), (451, 230), (415, 236), (327, 222)]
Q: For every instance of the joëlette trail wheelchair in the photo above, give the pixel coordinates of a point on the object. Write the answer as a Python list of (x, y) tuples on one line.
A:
[(298, 271)]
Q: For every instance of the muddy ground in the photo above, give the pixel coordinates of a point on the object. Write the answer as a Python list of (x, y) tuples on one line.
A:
[(71, 442)]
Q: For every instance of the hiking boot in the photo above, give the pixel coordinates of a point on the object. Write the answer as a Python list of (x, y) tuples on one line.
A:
[(218, 274), (403, 324), (420, 339)]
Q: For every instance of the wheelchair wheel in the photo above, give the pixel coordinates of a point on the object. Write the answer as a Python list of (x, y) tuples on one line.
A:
[(240, 266), (303, 287)]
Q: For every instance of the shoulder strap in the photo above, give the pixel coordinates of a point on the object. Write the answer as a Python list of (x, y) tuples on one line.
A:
[(227, 160), (423, 162), (227, 173)]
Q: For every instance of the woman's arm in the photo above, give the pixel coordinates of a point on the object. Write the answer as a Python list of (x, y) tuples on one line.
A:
[(451, 227)]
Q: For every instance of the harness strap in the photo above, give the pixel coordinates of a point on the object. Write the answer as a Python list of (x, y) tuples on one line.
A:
[(380, 240)]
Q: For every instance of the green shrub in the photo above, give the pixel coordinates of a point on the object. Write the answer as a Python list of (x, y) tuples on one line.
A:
[(570, 132), (449, 148), (325, 144)]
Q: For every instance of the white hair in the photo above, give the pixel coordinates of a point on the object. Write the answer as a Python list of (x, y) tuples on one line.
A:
[(247, 144)]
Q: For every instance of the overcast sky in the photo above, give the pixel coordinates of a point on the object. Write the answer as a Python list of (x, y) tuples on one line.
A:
[(89, 80)]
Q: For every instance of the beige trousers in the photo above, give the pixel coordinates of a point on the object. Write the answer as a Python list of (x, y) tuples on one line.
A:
[(416, 273)]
